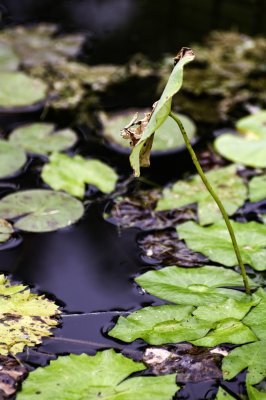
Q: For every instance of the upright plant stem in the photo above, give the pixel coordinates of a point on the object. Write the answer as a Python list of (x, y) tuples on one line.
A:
[(216, 199)]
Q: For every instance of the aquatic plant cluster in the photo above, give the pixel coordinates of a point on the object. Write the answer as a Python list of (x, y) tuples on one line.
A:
[(195, 273)]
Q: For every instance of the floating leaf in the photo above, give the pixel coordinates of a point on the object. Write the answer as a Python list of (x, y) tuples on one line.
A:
[(24, 317), (9, 61), (257, 188), (194, 286), (223, 395), (71, 174), (18, 90), (6, 230), (191, 364), (12, 158), (40, 138), (229, 308), (227, 184), (255, 394), (253, 126), (256, 318), (215, 243), (228, 331), (251, 356), (41, 210), (161, 324), (140, 156), (167, 136), (79, 377), (12, 373), (242, 150)]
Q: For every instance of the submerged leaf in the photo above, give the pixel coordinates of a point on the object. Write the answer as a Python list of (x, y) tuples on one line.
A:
[(79, 377), (41, 210), (227, 184), (251, 356), (242, 150), (193, 286), (6, 230), (253, 126), (215, 243), (24, 317), (139, 157), (257, 188), (12, 158), (18, 90), (71, 174), (40, 138)]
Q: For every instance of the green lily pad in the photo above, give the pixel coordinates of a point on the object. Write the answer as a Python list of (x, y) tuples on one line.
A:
[(71, 174), (25, 317), (253, 126), (41, 210), (242, 150), (256, 318), (215, 243), (255, 394), (18, 90), (223, 395), (251, 356), (167, 136), (12, 158), (228, 331), (161, 324), (9, 61), (192, 286), (257, 188), (227, 184), (41, 138), (6, 230), (79, 377)]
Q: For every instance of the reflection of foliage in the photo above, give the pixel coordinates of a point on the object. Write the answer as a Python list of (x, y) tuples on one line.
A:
[(25, 317)]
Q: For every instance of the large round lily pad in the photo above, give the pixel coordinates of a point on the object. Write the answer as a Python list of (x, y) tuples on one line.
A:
[(168, 136), (253, 126), (41, 138), (41, 210), (12, 158), (19, 90)]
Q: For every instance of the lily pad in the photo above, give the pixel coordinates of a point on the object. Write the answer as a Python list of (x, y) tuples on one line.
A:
[(24, 317), (161, 324), (71, 174), (253, 126), (6, 230), (9, 61), (101, 376), (256, 318), (168, 135), (257, 188), (12, 373), (251, 356), (255, 394), (192, 286), (222, 394), (12, 158), (215, 243), (242, 150), (41, 138), (18, 90), (41, 210), (228, 185)]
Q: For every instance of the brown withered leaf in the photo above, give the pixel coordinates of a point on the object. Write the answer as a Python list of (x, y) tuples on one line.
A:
[(11, 374), (190, 363), (165, 247)]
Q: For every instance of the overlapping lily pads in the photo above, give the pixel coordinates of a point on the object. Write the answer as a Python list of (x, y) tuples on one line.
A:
[(71, 173), (41, 138), (25, 317), (19, 90), (12, 159), (41, 210), (6, 230), (215, 243), (228, 185), (100, 376), (192, 286)]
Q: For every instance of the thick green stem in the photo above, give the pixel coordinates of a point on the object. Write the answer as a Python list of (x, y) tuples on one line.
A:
[(216, 199)]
